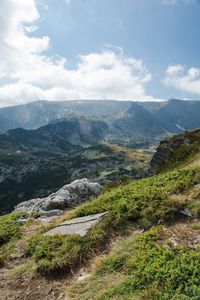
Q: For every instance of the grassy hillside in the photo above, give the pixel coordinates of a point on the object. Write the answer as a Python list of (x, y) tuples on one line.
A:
[(159, 256), (146, 266)]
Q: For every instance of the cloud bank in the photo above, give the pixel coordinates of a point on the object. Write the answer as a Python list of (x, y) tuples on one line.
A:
[(183, 78), (28, 74)]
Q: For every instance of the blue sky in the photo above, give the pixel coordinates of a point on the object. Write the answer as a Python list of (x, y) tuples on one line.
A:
[(154, 44)]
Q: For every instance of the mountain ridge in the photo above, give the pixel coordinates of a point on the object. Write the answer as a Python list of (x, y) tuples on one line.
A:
[(150, 120)]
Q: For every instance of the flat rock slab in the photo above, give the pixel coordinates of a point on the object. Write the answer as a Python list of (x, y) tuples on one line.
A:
[(79, 226)]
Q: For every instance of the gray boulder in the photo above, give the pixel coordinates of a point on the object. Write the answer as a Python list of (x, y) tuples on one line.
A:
[(68, 196)]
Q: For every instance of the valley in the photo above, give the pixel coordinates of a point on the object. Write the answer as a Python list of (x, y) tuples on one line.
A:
[(44, 145), (35, 163)]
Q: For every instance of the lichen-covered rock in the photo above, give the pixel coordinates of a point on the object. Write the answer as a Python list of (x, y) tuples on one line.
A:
[(68, 196)]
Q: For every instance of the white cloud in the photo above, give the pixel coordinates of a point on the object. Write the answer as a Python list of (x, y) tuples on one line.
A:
[(174, 70), (184, 79), (170, 2), (28, 74)]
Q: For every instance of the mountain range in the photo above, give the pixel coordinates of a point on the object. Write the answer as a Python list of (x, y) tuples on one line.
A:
[(128, 120), (44, 145)]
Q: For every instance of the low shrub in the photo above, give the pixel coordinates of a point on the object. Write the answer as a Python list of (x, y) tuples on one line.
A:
[(157, 272), (143, 202), (10, 228), (10, 231), (146, 270), (64, 253)]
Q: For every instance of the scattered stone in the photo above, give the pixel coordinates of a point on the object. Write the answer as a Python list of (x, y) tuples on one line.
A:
[(197, 241), (174, 240), (79, 226), (22, 220), (45, 219), (197, 186), (52, 213), (160, 222), (68, 196), (83, 274), (187, 212)]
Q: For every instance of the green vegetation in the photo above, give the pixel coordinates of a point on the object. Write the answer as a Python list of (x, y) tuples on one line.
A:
[(10, 228), (196, 226), (10, 231), (144, 267), (134, 155), (159, 264), (140, 203), (144, 201), (187, 152), (64, 253)]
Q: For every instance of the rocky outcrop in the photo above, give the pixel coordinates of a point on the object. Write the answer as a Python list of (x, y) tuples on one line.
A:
[(168, 146), (68, 196)]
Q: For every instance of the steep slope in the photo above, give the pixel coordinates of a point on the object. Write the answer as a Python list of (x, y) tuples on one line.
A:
[(135, 127), (178, 150), (139, 122), (179, 115), (163, 261)]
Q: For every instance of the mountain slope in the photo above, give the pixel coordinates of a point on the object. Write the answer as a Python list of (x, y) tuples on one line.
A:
[(163, 261), (140, 252), (134, 124), (139, 122), (58, 136), (176, 151), (178, 115), (40, 113), (33, 163), (36, 114)]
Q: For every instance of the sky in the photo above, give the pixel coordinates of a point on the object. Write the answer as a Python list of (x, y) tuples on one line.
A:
[(145, 50)]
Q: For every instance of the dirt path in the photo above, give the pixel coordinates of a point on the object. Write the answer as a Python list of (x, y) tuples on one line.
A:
[(18, 281)]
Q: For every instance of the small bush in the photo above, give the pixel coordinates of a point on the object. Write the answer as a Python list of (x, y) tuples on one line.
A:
[(10, 231), (54, 252), (10, 228), (64, 253)]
